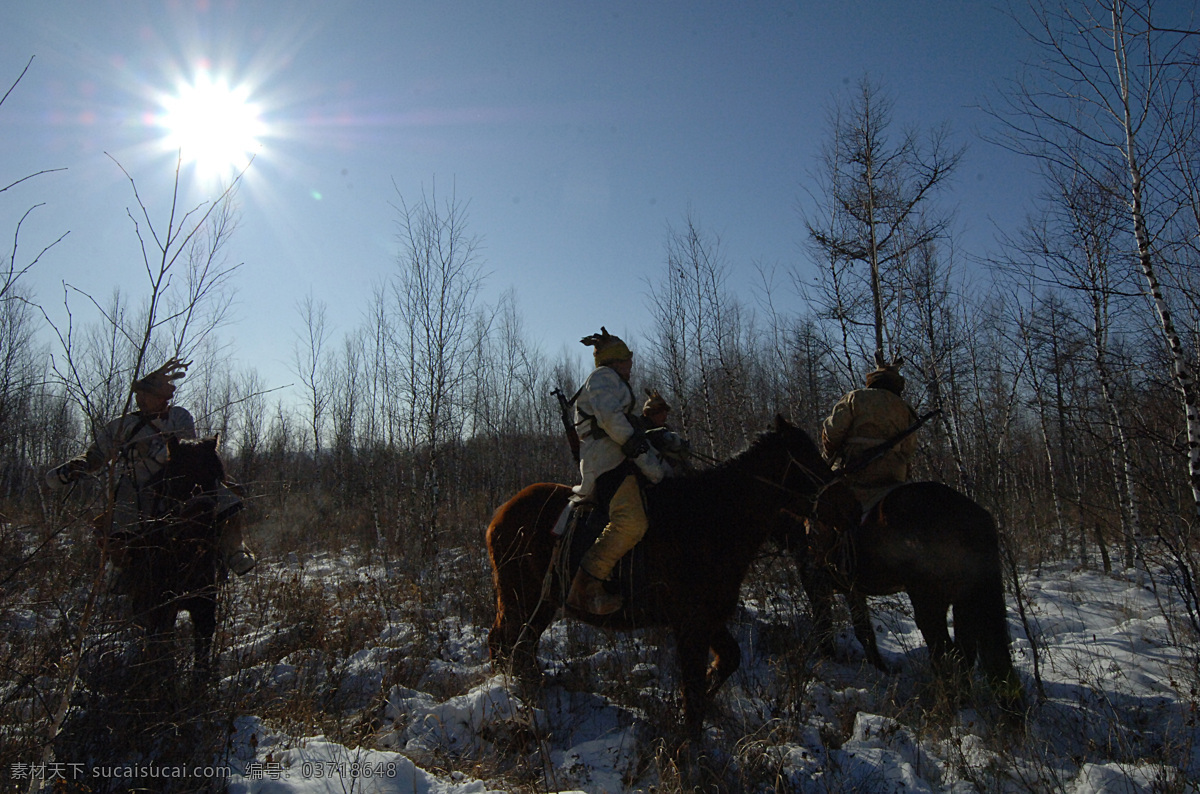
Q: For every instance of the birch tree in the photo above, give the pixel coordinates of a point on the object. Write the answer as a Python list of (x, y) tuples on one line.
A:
[(699, 339), (1099, 105)]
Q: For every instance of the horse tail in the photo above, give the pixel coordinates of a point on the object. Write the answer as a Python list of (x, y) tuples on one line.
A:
[(521, 547), (981, 624), (981, 620)]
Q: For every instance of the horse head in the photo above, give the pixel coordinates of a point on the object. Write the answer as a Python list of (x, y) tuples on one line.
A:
[(802, 469), (193, 469)]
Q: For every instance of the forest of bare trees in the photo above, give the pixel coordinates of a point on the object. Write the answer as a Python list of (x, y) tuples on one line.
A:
[(1065, 368)]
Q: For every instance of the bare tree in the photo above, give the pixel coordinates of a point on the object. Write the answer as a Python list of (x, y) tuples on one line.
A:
[(876, 205), (125, 342), (310, 365), (437, 281), (20, 374), (15, 263), (931, 321), (700, 339), (250, 411), (794, 359)]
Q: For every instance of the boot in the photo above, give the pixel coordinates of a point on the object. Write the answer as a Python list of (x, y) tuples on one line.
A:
[(240, 561), (587, 594)]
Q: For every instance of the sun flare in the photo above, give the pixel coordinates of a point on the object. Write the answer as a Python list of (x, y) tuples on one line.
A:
[(213, 126)]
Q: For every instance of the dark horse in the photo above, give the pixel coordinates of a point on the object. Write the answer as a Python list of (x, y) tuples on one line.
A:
[(928, 540), (172, 561), (705, 530)]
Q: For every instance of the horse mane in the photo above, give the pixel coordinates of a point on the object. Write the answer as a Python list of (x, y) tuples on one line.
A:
[(763, 441), (708, 490)]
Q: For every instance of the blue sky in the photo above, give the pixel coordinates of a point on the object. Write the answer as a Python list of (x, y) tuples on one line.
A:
[(577, 131)]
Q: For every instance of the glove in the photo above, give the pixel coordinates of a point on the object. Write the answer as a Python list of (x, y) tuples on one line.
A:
[(636, 445), (667, 442), (650, 466), (64, 475)]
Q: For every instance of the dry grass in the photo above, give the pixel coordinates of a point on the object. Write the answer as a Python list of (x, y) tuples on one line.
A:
[(318, 636)]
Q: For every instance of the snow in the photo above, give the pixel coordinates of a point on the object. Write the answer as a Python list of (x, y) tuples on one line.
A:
[(1119, 713)]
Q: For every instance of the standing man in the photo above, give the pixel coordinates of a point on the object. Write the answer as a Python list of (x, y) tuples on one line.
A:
[(615, 462)]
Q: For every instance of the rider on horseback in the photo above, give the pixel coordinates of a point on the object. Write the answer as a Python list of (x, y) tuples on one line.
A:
[(137, 444), (864, 419), (672, 448), (615, 458)]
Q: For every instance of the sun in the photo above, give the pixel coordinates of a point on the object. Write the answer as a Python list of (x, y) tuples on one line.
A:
[(213, 126)]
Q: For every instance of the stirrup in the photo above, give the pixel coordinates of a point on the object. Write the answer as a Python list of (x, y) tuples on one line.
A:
[(587, 594), (240, 562)]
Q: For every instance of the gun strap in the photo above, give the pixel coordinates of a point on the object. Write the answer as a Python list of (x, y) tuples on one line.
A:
[(879, 450)]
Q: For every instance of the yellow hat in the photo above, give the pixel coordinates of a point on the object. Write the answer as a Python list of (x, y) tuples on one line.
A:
[(608, 348)]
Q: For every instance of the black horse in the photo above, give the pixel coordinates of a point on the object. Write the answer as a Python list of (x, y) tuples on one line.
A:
[(928, 540), (172, 560), (705, 530)]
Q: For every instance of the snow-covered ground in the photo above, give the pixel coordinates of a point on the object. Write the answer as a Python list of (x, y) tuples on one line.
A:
[(1115, 709)]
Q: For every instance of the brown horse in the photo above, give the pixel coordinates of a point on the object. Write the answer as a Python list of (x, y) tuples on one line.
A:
[(705, 530), (173, 559), (928, 540)]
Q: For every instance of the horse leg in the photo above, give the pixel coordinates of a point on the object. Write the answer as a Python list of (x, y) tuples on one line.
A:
[(929, 612), (981, 632), (524, 653), (500, 639), (514, 601), (819, 589), (204, 627), (692, 645), (157, 667), (524, 609), (727, 658), (860, 617)]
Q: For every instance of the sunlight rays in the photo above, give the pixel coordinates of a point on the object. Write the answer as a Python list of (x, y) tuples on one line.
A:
[(214, 126)]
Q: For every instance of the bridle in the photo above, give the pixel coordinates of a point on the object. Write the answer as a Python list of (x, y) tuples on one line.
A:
[(805, 471), (842, 551)]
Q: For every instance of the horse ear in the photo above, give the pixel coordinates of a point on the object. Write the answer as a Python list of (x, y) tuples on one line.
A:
[(216, 441), (781, 424)]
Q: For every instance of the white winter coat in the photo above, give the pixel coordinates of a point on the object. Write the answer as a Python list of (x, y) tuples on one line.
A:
[(605, 401), (138, 445)]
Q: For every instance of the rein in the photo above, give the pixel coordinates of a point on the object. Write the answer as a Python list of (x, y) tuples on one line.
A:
[(812, 476), (700, 456)]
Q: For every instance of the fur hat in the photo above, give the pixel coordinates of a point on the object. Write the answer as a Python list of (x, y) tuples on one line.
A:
[(608, 348), (886, 377), (655, 403), (160, 382)]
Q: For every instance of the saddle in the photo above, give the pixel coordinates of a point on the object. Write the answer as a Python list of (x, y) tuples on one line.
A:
[(830, 531), (587, 520)]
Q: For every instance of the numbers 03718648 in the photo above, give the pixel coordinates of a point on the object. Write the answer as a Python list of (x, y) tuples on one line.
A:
[(328, 769)]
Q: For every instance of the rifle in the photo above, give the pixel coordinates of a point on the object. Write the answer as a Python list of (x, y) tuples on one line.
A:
[(879, 450), (564, 407)]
